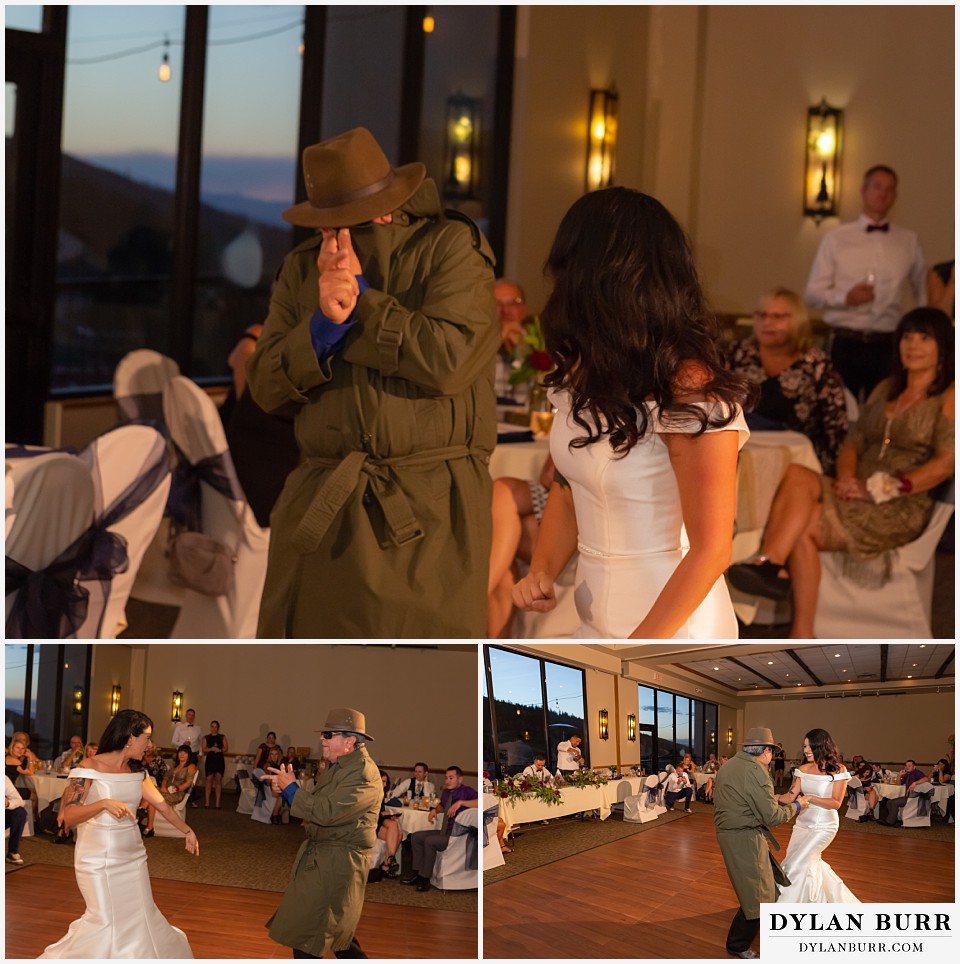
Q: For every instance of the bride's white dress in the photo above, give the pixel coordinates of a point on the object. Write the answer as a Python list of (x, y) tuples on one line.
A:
[(812, 879), (121, 920), (630, 526)]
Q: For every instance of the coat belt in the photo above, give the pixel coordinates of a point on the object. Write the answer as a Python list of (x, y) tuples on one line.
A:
[(381, 479)]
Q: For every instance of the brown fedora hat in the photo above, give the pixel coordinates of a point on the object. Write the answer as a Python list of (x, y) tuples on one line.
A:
[(760, 736), (345, 720), (349, 181)]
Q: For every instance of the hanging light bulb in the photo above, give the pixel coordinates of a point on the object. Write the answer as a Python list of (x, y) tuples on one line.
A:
[(428, 24), (164, 70)]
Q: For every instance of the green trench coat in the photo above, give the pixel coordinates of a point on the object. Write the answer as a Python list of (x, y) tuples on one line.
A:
[(321, 907), (744, 807), (384, 528)]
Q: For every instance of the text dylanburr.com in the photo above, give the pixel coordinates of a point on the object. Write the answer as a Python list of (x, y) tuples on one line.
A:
[(803, 932)]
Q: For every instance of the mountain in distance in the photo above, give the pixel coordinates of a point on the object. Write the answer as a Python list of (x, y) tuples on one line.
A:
[(256, 188)]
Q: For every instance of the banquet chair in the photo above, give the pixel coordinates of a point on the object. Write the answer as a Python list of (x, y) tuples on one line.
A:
[(900, 608), (161, 826), (916, 811), (138, 383), (131, 478), (49, 511), (205, 467), (248, 795), (263, 801), (492, 854), (457, 867), (856, 801)]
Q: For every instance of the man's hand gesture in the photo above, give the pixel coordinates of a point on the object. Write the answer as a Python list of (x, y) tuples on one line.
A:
[(338, 266)]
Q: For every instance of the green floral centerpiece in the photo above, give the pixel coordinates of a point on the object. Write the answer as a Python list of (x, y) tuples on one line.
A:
[(637, 770), (523, 788), (532, 353), (581, 778)]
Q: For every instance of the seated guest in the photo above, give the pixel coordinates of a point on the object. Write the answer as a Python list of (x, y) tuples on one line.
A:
[(418, 785), (388, 830), (679, 785), (711, 766), (688, 763), (911, 774), (176, 783), (538, 770), (274, 759), (91, 750), (264, 749), (15, 820), (70, 757), (154, 765), (940, 287), (292, 761), (569, 757), (426, 844), (512, 312), (799, 388), (901, 449), (518, 506), (866, 774), (942, 771), (501, 827), (19, 764)]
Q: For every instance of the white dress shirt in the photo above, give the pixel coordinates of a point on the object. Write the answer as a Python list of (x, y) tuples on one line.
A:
[(544, 775), (677, 782), (849, 255), (415, 787), (187, 733), (12, 794), (568, 756)]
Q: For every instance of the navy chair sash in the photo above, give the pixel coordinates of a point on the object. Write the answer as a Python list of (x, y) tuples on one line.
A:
[(923, 803), (183, 504), (459, 830), (489, 816)]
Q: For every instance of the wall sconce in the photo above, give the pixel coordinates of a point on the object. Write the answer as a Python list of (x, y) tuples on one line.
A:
[(462, 147), (729, 736), (632, 727), (176, 707), (115, 692), (604, 725), (78, 701), (713, 738), (601, 138), (821, 172)]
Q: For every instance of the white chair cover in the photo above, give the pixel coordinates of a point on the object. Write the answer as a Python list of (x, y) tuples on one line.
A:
[(161, 826), (248, 795), (49, 506), (377, 855), (916, 811), (492, 855), (131, 479), (195, 428), (856, 801), (138, 382), (898, 609), (262, 811), (451, 870)]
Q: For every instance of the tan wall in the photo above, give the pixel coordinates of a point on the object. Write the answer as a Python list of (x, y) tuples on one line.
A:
[(713, 105), (109, 665), (419, 703), (882, 728)]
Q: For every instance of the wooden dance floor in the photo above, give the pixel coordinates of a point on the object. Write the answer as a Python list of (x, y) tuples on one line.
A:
[(225, 922), (664, 893)]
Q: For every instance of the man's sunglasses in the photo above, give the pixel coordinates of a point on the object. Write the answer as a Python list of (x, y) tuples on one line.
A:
[(330, 734)]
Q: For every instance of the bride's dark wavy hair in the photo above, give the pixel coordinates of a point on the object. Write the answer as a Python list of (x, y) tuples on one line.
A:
[(126, 724), (825, 752), (626, 312)]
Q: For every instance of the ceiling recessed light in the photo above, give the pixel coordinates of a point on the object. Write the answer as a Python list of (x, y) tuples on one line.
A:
[(769, 662), (909, 677), (914, 665), (844, 671), (788, 674), (716, 667), (836, 656)]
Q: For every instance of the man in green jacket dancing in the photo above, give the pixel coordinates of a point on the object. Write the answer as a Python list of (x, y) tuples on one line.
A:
[(381, 336)]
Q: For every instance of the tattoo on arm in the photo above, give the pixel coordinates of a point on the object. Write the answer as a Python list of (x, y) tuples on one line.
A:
[(74, 792)]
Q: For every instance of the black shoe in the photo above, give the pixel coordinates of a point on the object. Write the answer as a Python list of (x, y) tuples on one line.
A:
[(147, 833), (759, 579), (687, 810), (423, 884), (748, 955), (410, 880)]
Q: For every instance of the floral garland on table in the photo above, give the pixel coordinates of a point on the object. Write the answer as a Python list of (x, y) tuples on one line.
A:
[(522, 788), (531, 352), (581, 778)]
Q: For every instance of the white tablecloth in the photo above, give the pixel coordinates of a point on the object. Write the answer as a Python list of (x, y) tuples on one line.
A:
[(49, 787), (941, 793), (519, 460), (412, 820), (572, 800)]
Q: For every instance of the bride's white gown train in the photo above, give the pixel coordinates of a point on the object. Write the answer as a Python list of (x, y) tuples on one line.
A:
[(121, 920), (812, 879)]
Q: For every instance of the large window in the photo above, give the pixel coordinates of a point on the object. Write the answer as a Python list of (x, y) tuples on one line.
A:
[(47, 694), (671, 725), (530, 706)]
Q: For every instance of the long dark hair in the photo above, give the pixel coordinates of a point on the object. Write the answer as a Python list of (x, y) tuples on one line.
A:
[(626, 312), (126, 724), (825, 752), (936, 324)]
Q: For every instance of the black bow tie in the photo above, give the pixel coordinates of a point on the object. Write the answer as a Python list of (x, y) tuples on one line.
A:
[(878, 227)]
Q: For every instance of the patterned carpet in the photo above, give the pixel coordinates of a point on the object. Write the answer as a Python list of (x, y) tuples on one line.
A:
[(236, 851)]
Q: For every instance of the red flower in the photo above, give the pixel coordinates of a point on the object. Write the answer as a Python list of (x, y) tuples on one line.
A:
[(541, 361)]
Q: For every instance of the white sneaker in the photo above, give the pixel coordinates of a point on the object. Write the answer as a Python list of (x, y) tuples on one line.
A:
[(14, 859)]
